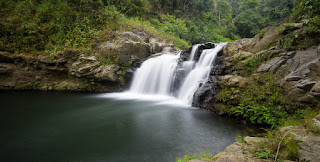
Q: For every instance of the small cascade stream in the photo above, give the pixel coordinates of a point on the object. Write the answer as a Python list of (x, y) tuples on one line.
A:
[(156, 75), (199, 74)]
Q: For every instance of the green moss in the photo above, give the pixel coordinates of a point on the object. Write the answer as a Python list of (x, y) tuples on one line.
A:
[(240, 139), (189, 157)]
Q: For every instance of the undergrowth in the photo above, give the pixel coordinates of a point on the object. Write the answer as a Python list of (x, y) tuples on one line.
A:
[(260, 103), (282, 145), (54, 26), (188, 157)]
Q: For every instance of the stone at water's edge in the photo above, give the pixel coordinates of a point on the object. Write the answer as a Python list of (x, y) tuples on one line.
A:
[(61, 72), (308, 142), (240, 152)]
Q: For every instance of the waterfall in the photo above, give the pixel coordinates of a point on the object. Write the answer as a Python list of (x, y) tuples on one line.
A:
[(199, 74), (193, 52), (156, 75)]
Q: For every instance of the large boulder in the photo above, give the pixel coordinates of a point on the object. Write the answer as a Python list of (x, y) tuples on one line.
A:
[(264, 39), (89, 67), (309, 148), (130, 47), (239, 152), (298, 73), (85, 67), (235, 48), (107, 73)]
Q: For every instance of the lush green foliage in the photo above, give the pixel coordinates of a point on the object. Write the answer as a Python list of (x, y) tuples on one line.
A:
[(308, 11), (249, 23), (287, 140), (260, 103), (31, 26), (52, 26), (188, 157), (268, 149)]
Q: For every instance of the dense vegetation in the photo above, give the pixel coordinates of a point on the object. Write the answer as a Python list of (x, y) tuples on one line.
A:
[(51, 26), (31, 26)]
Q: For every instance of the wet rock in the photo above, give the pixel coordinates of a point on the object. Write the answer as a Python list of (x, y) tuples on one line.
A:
[(209, 45), (6, 68), (108, 73)]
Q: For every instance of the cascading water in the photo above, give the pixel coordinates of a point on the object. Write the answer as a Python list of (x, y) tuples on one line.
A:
[(155, 76), (199, 74), (187, 66)]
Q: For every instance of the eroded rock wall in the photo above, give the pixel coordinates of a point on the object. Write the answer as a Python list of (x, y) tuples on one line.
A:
[(295, 72), (108, 68)]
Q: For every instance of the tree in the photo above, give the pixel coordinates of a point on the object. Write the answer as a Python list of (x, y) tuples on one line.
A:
[(249, 23)]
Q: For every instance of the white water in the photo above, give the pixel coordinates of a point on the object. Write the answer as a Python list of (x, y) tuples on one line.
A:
[(199, 74), (187, 66), (193, 52), (155, 78)]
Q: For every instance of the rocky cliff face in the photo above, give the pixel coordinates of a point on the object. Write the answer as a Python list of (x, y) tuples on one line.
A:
[(248, 60), (295, 72), (108, 69)]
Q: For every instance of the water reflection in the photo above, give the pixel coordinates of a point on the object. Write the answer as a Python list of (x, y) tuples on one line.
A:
[(80, 127)]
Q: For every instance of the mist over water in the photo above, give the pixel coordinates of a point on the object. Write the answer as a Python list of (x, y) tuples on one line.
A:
[(156, 76)]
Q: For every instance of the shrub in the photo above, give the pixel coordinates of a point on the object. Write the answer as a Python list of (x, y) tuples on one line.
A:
[(189, 157), (260, 103)]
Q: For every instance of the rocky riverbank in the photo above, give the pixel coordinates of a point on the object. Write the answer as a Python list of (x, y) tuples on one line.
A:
[(262, 75), (308, 144), (108, 68), (295, 72)]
